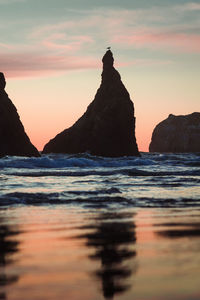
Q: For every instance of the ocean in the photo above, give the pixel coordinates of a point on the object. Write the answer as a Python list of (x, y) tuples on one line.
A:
[(85, 227)]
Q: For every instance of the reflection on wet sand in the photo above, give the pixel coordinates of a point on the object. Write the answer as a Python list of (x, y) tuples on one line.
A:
[(8, 247), (112, 235), (179, 230), (68, 253)]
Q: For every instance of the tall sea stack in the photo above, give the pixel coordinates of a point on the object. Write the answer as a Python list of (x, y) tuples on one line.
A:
[(13, 139), (107, 128)]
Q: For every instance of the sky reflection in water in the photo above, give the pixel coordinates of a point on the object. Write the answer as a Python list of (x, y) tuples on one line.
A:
[(58, 253)]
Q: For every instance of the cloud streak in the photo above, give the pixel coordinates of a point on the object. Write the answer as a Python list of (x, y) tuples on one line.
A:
[(65, 42), (75, 42), (172, 41), (32, 64), (124, 28)]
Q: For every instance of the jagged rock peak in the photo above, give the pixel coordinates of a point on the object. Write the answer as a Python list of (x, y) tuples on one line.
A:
[(107, 128), (2, 81), (109, 74), (13, 138), (108, 60)]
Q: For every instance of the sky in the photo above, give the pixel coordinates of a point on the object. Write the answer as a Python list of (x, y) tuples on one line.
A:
[(51, 51)]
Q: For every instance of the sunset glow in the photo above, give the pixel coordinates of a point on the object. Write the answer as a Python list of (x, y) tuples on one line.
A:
[(52, 59)]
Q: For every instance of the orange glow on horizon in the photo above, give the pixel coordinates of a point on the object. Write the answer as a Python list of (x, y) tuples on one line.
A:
[(48, 105)]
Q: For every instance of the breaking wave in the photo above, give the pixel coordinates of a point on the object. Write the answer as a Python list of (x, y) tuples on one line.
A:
[(152, 180)]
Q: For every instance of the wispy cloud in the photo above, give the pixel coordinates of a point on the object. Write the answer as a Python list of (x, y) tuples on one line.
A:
[(33, 64), (156, 28), (167, 41), (66, 42), (75, 42)]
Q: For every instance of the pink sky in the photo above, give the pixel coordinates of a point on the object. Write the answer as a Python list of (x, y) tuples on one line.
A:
[(53, 65)]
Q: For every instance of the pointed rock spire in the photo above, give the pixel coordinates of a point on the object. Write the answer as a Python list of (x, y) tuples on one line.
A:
[(13, 139), (109, 73), (108, 60), (107, 128)]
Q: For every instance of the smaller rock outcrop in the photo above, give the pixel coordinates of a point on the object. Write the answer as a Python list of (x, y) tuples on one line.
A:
[(13, 139), (177, 134), (107, 128)]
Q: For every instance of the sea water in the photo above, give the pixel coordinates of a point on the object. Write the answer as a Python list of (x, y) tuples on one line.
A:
[(85, 227)]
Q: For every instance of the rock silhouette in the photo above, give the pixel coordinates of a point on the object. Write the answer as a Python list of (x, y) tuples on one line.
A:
[(13, 139), (107, 128), (177, 134)]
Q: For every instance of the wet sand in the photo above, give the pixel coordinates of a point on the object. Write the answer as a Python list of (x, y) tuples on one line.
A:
[(72, 253)]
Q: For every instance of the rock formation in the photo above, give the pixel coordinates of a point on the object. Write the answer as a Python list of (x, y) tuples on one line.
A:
[(13, 139), (177, 134), (107, 128)]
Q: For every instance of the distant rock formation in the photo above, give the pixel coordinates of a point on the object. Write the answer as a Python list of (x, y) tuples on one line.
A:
[(13, 139), (107, 128), (177, 134)]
